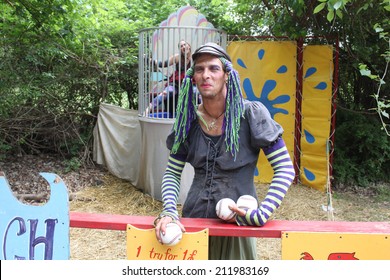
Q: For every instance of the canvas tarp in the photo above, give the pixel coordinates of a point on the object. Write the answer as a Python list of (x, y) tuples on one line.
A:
[(133, 148)]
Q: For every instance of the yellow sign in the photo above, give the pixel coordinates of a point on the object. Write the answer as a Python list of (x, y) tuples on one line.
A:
[(335, 246), (143, 245)]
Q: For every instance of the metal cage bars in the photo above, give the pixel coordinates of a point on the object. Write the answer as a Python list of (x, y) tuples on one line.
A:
[(156, 46)]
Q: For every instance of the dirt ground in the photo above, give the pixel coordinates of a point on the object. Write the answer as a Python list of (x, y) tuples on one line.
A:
[(95, 190)]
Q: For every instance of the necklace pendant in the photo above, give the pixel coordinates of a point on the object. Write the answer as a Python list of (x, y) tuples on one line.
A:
[(213, 125)]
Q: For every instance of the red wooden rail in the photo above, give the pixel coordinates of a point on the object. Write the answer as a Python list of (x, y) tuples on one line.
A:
[(273, 228)]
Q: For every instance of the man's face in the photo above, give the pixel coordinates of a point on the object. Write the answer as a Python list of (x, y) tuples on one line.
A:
[(209, 76)]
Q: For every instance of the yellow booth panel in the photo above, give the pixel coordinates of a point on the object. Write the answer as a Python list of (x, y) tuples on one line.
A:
[(142, 244), (335, 246)]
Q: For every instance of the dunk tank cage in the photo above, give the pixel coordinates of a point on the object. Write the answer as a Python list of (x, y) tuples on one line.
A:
[(155, 81), (156, 76)]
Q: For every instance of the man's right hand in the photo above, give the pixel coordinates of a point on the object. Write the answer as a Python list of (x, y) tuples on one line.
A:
[(161, 225)]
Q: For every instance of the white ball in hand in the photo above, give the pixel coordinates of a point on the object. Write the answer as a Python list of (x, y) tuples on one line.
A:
[(247, 202), (172, 236), (223, 210)]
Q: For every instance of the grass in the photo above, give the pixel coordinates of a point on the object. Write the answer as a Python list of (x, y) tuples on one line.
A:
[(383, 193)]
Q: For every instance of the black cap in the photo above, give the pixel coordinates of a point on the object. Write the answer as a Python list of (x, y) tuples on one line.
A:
[(211, 48)]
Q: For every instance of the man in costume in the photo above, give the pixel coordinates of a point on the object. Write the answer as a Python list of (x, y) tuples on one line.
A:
[(222, 138)]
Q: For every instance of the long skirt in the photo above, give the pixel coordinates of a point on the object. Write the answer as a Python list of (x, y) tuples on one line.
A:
[(232, 248)]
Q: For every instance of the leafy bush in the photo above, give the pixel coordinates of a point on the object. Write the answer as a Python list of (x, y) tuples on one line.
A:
[(362, 150), (72, 164)]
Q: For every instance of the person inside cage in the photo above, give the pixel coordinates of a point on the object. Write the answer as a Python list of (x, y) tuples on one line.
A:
[(167, 99)]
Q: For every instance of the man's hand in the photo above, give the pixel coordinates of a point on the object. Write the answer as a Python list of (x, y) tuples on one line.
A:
[(239, 211), (161, 225)]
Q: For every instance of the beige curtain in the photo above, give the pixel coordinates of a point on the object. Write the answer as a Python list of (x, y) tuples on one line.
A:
[(133, 148)]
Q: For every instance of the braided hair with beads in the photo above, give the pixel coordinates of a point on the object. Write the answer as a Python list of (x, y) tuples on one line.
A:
[(186, 110)]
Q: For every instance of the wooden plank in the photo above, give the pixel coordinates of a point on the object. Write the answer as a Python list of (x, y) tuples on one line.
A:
[(273, 228)]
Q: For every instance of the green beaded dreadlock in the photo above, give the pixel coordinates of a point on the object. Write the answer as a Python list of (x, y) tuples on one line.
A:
[(187, 108)]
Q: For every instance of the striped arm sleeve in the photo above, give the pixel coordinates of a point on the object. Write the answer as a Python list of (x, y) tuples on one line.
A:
[(171, 186), (283, 177)]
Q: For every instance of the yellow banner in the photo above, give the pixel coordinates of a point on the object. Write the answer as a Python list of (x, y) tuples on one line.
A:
[(143, 245), (268, 74), (335, 246), (316, 115)]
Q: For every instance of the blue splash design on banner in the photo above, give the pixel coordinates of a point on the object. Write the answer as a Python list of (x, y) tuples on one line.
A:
[(310, 71), (321, 86), (309, 175), (267, 89), (261, 53), (309, 137), (282, 69), (241, 63)]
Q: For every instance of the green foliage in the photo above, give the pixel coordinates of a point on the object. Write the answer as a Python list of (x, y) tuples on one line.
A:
[(72, 164), (334, 8), (222, 14), (4, 148), (383, 105), (372, 55), (382, 192), (59, 61), (362, 152)]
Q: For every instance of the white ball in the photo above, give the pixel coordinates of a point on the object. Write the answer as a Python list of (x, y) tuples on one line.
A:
[(247, 202), (223, 211), (173, 234)]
